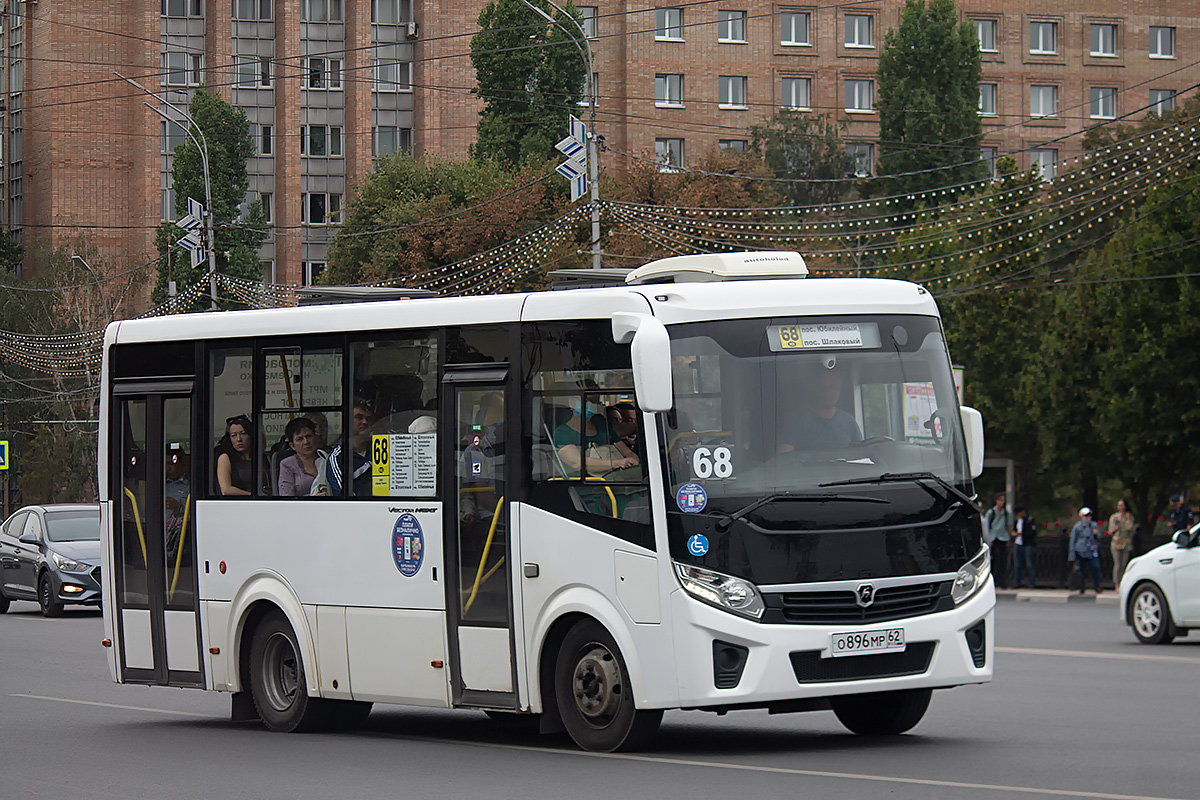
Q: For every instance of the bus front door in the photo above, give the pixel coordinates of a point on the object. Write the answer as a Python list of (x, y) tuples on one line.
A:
[(153, 543), (479, 590)]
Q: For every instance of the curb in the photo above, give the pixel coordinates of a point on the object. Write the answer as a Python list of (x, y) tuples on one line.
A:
[(1108, 598)]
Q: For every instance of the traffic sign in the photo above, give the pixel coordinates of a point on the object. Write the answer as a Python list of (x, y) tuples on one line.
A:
[(191, 240), (3, 454), (574, 147)]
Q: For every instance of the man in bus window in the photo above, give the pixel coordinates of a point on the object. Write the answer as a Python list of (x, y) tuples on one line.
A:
[(820, 425), (364, 417)]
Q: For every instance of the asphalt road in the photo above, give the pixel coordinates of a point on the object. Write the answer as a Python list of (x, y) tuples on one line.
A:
[(1078, 709)]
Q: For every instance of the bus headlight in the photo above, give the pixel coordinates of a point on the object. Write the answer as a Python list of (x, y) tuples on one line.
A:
[(971, 578), (720, 590)]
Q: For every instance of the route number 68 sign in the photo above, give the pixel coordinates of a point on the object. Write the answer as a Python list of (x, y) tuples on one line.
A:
[(707, 463)]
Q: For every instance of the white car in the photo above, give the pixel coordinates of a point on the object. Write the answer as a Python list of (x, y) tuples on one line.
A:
[(1160, 591)]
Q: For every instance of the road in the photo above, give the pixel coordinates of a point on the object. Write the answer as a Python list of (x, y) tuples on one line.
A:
[(1077, 709)]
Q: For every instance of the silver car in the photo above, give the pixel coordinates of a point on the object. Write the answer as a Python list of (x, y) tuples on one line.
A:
[(51, 554)]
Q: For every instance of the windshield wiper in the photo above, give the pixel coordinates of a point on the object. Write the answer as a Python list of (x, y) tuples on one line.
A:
[(915, 477), (821, 497)]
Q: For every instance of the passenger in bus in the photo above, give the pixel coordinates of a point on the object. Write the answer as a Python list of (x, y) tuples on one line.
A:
[(820, 425), (623, 420), (234, 467), (320, 430), (603, 450), (298, 471), (364, 417)]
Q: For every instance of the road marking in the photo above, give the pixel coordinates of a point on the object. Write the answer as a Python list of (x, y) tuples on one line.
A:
[(1032, 651), (111, 705)]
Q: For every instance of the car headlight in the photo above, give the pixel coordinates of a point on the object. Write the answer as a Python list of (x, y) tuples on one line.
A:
[(67, 565), (720, 590), (971, 578)]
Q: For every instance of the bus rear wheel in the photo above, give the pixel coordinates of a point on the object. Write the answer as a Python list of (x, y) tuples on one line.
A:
[(882, 713), (277, 681), (595, 700)]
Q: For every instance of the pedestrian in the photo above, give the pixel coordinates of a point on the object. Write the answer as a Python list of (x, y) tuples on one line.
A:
[(1181, 517), (997, 527), (1120, 528), (1084, 549), (1025, 538)]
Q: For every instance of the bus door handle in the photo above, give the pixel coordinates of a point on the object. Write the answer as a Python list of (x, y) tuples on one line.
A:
[(531, 570)]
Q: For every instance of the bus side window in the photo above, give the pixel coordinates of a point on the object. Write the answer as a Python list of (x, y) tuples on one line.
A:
[(231, 377)]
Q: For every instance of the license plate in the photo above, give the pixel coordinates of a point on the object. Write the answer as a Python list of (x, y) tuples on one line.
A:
[(860, 643)]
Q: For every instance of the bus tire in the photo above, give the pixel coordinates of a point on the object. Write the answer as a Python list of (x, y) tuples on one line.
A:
[(592, 691), (277, 682), (882, 713)]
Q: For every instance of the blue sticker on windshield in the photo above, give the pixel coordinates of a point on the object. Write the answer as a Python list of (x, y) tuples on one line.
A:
[(698, 545), (408, 545), (691, 498)]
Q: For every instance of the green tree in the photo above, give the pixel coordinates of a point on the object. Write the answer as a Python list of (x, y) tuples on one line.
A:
[(530, 75), (807, 150), (928, 81), (238, 236)]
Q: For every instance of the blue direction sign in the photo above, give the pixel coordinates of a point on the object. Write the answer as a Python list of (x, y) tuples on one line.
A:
[(575, 169), (191, 240), (3, 454)]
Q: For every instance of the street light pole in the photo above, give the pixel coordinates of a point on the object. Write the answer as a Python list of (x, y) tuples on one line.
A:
[(585, 50), (202, 146), (99, 288)]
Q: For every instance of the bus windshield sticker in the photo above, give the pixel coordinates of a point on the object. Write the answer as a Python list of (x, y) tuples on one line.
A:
[(403, 463), (698, 545), (823, 336), (919, 404), (691, 498), (707, 463), (408, 545)]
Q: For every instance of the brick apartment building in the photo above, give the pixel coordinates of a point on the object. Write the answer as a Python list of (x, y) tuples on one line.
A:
[(328, 84)]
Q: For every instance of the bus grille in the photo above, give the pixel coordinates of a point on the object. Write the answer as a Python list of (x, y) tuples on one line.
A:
[(811, 668), (841, 607)]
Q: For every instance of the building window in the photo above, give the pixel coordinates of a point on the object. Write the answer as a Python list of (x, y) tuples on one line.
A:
[(669, 153), (311, 271), (1043, 101), (392, 76), (732, 90), (1043, 37), (166, 209), (1044, 162), (668, 24), (1162, 100), (988, 156), (796, 93), (324, 73), (321, 140), (735, 145), (265, 199), (183, 69), (316, 73), (668, 90), (594, 87), (863, 157), (858, 30), (1162, 42), (388, 12), (319, 208), (173, 135), (321, 10), (731, 26), (246, 72), (264, 71), (252, 9), (587, 15), (182, 8), (987, 99), (794, 28), (985, 29), (860, 95), (1104, 39), (266, 140), (389, 140), (1103, 102)]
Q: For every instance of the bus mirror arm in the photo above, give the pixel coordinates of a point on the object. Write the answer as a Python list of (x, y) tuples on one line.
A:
[(972, 422), (651, 353)]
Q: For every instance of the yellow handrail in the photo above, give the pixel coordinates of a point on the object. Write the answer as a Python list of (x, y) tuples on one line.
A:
[(137, 517), (483, 559), (187, 506)]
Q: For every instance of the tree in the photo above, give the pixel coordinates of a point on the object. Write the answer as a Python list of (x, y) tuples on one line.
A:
[(807, 150), (530, 75), (928, 80), (238, 236)]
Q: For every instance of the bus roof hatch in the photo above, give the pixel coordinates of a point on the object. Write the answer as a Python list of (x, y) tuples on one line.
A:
[(702, 267)]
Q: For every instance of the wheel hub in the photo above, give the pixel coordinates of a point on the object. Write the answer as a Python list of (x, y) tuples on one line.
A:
[(281, 677), (596, 684), (1147, 614)]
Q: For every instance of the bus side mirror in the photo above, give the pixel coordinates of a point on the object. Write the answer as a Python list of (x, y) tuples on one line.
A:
[(972, 422), (651, 358)]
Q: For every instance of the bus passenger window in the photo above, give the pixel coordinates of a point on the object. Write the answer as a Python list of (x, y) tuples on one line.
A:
[(231, 426)]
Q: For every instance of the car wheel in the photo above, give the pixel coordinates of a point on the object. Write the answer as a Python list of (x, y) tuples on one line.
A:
[(881, 713), (46, 599), (277, 682), (595, 700), (1150, 616)]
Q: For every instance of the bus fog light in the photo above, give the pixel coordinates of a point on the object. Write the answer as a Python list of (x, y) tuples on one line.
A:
[(723, 591), (971, 578)]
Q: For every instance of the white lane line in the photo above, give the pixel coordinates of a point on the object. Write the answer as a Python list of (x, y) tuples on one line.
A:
[(112, 705), (1032, 651)]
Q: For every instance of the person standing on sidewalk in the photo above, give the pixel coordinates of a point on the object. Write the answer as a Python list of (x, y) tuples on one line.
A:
[(1120, 528), (1084, 548), (997, 527), (1024, 537), (1181, 516)]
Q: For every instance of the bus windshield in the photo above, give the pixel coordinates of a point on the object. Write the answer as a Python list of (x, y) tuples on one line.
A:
[(788, 405)]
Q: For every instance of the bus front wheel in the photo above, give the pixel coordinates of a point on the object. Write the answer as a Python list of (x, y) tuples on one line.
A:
[(881, 713), (277, 681), (595, 700)]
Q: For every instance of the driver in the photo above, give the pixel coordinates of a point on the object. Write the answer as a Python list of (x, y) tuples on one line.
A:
[(820, 425)]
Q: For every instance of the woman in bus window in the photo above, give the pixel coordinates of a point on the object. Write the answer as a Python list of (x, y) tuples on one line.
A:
[(602, 449), (234, 472), (297, 472)]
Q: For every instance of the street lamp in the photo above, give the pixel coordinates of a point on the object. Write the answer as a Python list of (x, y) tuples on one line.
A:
[(202, 146), (99, 288), (585, 50)]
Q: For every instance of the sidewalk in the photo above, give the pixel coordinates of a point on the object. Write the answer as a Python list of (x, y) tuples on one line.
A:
[(1108, 598)]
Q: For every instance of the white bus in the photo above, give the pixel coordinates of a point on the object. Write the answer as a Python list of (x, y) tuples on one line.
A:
[(711, 485)]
